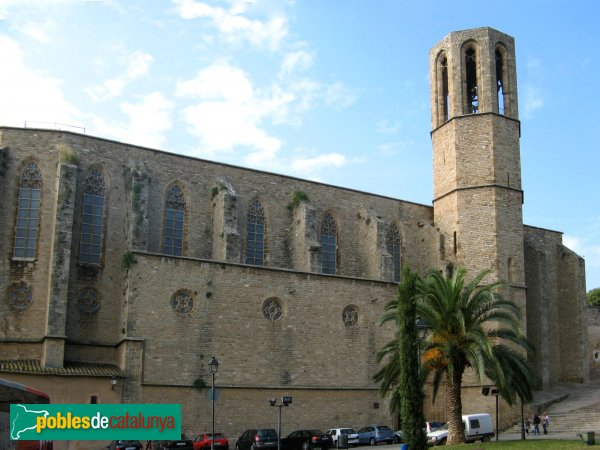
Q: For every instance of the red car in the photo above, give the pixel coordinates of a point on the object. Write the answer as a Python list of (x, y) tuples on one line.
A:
[(203, 441)]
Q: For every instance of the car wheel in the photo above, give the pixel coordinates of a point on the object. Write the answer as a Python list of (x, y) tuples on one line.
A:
[(372, 441), (485, 439), (396, 440), (443, 442), (305, 446)]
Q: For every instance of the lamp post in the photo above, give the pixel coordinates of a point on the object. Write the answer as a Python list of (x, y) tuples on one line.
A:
[(422, 328), (495, 393), (285, 401), (214, 367)]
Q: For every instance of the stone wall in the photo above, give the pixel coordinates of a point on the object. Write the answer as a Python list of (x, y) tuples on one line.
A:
[(594, 341), (556, 310)]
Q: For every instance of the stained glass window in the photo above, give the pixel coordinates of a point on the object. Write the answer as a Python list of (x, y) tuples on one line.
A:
[(255, 235), (393, 248), (328, 245), (28, 212), (90, 247), (174, 221)]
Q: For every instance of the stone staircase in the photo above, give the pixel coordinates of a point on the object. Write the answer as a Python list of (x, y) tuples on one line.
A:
[(573, 408)]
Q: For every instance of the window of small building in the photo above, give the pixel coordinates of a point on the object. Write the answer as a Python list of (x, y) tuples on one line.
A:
[(90, 246), (174, 221), (255, 235), (28, 212), (328, 245), (471, 81), (393, 248)]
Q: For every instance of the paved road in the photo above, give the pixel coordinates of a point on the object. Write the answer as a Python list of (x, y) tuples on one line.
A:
[(502, 437)]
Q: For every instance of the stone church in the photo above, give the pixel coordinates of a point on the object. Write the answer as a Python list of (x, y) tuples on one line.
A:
[(124, 270)]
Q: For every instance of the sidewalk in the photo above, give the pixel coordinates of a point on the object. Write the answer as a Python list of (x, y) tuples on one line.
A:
[(530, 437)]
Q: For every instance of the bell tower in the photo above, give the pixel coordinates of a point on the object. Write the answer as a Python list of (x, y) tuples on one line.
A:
[(476, 157)]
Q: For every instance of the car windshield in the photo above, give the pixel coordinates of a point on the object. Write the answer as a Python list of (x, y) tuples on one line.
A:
[(267, 433), (348, 431), (217, 436), (384, 428)]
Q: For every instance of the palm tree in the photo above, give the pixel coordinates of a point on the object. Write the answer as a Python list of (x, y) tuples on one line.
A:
[(401, 374), (470, 325)]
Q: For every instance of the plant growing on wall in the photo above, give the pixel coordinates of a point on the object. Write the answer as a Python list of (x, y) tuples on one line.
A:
[(297, 197), (200, 384), (66, 154), (128, 260)]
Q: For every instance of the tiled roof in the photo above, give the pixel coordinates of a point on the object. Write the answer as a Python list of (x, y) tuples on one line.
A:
[(70, 368)]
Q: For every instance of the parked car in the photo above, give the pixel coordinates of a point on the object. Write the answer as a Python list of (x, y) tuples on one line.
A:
[(306, 440), (255, 439), (175, 444), (375, 434), (337, 432), (433, 425), (478, 427), (203, 441), (125, 445)]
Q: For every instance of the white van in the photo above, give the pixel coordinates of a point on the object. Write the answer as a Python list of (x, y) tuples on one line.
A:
[(478, 427)]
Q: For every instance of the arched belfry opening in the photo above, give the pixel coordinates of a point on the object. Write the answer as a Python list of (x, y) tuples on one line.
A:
[(501, 79), (471, 81), (443, 101)]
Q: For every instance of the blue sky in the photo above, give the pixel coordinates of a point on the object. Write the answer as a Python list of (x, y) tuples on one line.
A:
[(330, 90)]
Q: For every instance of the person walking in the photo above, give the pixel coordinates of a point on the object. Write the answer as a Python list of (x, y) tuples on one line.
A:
[(545, 422), (527, 425), (536, 425)]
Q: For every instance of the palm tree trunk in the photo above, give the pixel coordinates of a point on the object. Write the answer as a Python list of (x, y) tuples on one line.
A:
[(456, 433)]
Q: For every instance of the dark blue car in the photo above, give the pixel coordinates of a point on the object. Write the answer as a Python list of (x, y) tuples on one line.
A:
[(375, 434)]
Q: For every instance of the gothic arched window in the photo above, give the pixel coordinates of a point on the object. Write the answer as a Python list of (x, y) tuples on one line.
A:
[(255, 235), (502, 79), (471, 79), (92, 218), (328, 244), (443, 89), (174, 221), (393, 248), (28, 212)]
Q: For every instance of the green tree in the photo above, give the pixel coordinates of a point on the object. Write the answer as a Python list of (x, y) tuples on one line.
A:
[(593, 297), (401, 375), (471, 325)]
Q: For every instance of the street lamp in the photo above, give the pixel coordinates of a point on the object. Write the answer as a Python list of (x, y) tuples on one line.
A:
[(495, 393), (485, 391), (422, 328), (285, 401), (214, 367)]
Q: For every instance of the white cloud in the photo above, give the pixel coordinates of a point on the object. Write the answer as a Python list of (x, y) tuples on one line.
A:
[(297, 61), (386, 127), (148, 120), (309, 165), (40, 31), (234, 26), (229, 112), (532, 101), (137, 65), (338, 96), (24, 90)]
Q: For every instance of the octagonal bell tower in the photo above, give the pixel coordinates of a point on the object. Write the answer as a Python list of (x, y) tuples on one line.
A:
[(476, 157)]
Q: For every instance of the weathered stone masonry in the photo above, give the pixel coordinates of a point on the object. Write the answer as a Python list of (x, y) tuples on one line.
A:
[(155, 320)]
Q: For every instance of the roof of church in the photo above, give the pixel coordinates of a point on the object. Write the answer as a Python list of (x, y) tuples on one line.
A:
[(70, 368)]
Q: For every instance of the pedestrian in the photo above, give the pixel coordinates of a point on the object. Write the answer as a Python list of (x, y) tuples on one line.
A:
[(545, 422), (536, 424), (527, 425)]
